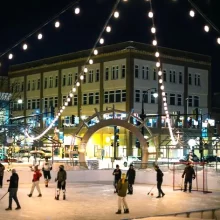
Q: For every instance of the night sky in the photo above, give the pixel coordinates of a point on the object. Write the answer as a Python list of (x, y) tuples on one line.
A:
[(175, 28)]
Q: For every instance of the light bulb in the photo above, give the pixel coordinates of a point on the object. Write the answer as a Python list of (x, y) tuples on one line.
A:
[(162, 87), (57, 24), (157, 54), (90, 61), (153, 30), (165, 108), (108, 29), (96, 52), (165, 104), (218, 40), (101, 41), (160, 73), (150, 14), (66, 103), (59, 114), (116, 14), (160, 80), (68, 99), (39, 36), (77, 11), (77, 84), (74, 89), (63, 107), (164, 99), (206, 28), (163, 94), (25, 46), (157, 64), (71, 94), (81, 77), (154, 42), (61, 110), (10, 56), (166, 112), (192, 13), (85, 70)]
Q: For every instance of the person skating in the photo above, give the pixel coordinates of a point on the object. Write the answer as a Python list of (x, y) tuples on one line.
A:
[(131, 178), (12, 189), (61, 182), (189, 174), (47, 167), (117, 174), (159, 181), (122, 188), (2, 168), (35, 181)]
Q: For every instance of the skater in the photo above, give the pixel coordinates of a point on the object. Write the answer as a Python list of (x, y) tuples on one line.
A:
[(131, 178), (159, 181), (46, 171), (122, 187), (189, 174), (12, 189), (61, 182), (117, 174), (2, 168), (35, 181)]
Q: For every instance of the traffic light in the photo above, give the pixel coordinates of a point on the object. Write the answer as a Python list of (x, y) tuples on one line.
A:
[(52, 112), (137, 144), (73, 119), (116, 136), (112, 144)]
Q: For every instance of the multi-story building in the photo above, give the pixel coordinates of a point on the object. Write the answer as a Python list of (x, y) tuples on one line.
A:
[(120, 75)]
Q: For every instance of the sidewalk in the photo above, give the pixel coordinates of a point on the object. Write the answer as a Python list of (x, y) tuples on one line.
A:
[(96, 201)]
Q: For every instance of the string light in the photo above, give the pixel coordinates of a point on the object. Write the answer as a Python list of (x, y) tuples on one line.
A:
[(157, 54), (153, 30), (150, 14), (101, 41), (57, 24), (116, 14), (25, 46), (95, 52), (85, 70), (39, 36), (206, 28), (108, 29), (81, 77), (90, 61), (10, 56), (77, 11), (218, 40), (192, 13), (154, 42)]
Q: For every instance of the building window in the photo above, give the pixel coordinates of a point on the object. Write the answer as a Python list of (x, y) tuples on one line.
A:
[(123, 96), (172, 99), (97, 75), (38, 84), (29, 104), (199, 82), (111, 96), (174, 76), (22, 86), (123, 71), (106, 97), (38, 104), (136, 71), (76, 76), (137, 95), (84, 77), (190, 79), (45, 83), (29, 85), (195, 79), (164, 75), (190, 101), (118, 96), (33, 85), (115, 72), (84, 99), (155, 74), (97, 98), (196, 101), (64, 80), (33, 103), (51, 82), (55, 102), (90, 76), (64, 99), (75, 100), (171, 77), (45, 103), (51, 102), (180, 78), (144, 97), (179, 100), (106, 73), (145, 72), (153, 99), (91, 98), (56, 81), (70, 79)]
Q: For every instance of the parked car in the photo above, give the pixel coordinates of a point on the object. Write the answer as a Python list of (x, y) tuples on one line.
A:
[(211, 158), (185, 158)]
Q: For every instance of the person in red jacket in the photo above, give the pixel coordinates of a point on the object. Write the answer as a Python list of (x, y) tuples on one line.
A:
[(35, 181)]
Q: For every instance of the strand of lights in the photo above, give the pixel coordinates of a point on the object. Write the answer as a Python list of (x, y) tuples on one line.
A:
[(40, 35), (209, 24), (160, 78), (84, 70)]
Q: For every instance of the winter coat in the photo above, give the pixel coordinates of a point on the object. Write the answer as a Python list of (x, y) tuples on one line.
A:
[(14, 179), (189, 173), (2, 168), (159, 175), (131, 176), (117, 174), (122, 188), (61, 175), (36, 176)]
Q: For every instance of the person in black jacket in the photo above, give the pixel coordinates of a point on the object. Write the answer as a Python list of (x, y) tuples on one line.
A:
[(117, 174), (131, 178), (189, 174), (12, 189), (159, 181)]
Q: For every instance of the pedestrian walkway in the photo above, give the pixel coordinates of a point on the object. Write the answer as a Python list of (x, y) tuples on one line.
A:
[(96, 201)]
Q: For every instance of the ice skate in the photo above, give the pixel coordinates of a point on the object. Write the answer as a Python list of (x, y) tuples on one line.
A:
[(64, 197), (57, 197)]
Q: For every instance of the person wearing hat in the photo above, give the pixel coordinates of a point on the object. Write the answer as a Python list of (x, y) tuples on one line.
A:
[(35, 181), (189, 174), (122, 188), (12, 189), (61, 182), (159, 181), (131, 178)]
